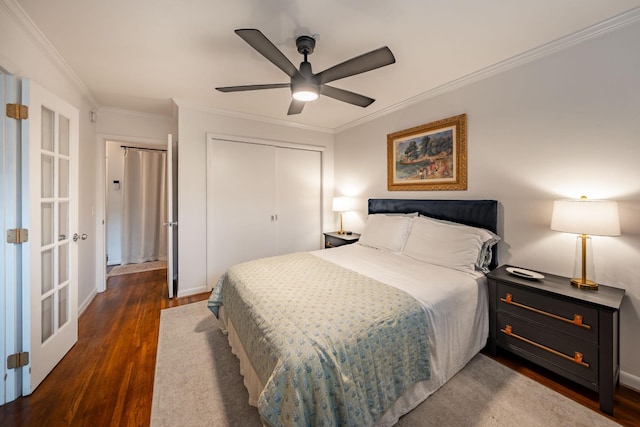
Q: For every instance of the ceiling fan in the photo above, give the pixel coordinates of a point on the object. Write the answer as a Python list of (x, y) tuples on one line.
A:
[(306, 86)]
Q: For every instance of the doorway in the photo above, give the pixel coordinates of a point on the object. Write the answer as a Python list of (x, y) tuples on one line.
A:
[(135, 193)]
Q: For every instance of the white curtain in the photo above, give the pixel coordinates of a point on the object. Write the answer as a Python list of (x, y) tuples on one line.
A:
[(144, 188)]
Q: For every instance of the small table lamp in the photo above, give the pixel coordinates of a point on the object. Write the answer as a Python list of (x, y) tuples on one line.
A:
[(585, 217), (341, 204)]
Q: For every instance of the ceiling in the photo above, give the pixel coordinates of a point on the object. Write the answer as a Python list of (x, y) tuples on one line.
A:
[(140, 54)]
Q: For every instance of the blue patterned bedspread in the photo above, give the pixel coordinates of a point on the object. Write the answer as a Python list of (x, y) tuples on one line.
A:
[(332, 346)]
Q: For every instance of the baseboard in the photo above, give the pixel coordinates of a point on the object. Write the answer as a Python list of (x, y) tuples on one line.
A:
[(86, 302), (192, 291), (630, 381)]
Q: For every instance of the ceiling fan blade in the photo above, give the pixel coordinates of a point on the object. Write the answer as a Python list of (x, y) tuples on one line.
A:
[(360, 64), (295, 107), (252, 87), (346, 96), (262, 44)]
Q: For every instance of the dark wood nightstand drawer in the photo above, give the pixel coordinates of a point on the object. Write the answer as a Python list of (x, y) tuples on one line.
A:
[(570, 318), (562, 353)]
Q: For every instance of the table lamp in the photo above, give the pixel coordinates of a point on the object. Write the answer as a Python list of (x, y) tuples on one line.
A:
[(585, 217), (341, 204)]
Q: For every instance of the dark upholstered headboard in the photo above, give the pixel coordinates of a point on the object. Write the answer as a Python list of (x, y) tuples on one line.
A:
[(476, 213)]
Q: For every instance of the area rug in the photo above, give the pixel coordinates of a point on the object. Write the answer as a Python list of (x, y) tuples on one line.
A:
[(119, 270), (198, 383)]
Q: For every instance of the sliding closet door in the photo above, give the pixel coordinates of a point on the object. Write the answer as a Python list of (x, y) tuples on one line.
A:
[(262, 200), (298, 200), (241, 200)]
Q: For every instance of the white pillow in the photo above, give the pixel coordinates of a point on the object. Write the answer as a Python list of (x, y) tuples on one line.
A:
[(385, 232), (449, 244), (489, 238)]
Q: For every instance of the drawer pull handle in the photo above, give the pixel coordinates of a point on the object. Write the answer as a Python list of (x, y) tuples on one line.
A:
[(577, 357), (577, 318)]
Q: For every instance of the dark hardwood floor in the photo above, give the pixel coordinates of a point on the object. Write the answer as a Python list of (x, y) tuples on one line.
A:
[(107, 377)]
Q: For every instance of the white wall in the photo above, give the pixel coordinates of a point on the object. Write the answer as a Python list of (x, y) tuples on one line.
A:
[(565, 125), (25, 54), (135, 127), (193, 125), (115, 160)]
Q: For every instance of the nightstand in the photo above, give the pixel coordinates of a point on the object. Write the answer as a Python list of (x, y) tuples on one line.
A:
[(334, 239), (570, 331)]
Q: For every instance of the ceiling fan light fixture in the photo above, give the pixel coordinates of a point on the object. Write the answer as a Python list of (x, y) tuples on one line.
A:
[(306, 86), (305, 95), (306, 92)]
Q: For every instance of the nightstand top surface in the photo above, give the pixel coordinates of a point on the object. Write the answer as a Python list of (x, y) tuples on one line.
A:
[(605, 296), (352, 236)]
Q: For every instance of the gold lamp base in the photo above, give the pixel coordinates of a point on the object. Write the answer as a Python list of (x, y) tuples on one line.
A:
[(584, 284)]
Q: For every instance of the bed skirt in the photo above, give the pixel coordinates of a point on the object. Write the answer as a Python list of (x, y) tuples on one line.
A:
[(251, 381)]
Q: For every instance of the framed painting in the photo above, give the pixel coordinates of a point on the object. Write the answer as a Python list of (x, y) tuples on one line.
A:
[(429, 157)]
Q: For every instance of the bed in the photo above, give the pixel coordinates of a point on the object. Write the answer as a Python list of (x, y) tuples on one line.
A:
[(363, 333)]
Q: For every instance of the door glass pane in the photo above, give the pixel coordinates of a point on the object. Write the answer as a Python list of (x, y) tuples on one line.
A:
[(63, 221), (63, 263), (47, 271), (47, 317), (47, 224), (47, 129), (46, 170), (63, 306), (63, 184), (63, 132)]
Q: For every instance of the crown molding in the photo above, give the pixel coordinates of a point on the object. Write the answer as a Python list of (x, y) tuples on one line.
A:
[(578, 37), (18, 14), (181, 103)]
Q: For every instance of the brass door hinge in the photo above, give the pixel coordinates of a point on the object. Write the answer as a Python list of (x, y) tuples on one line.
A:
[(17, 360), (17, 111), (17, 235)]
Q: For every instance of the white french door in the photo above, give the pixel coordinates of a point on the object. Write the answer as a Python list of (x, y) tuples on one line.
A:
[(50, 212), (9, 252), (171, 222)]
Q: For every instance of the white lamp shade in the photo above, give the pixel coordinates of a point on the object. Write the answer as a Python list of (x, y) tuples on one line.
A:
[(342, 204), (591, 217)]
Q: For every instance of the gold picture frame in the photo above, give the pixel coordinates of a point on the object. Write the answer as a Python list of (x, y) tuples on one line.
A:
[(432, 156)]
